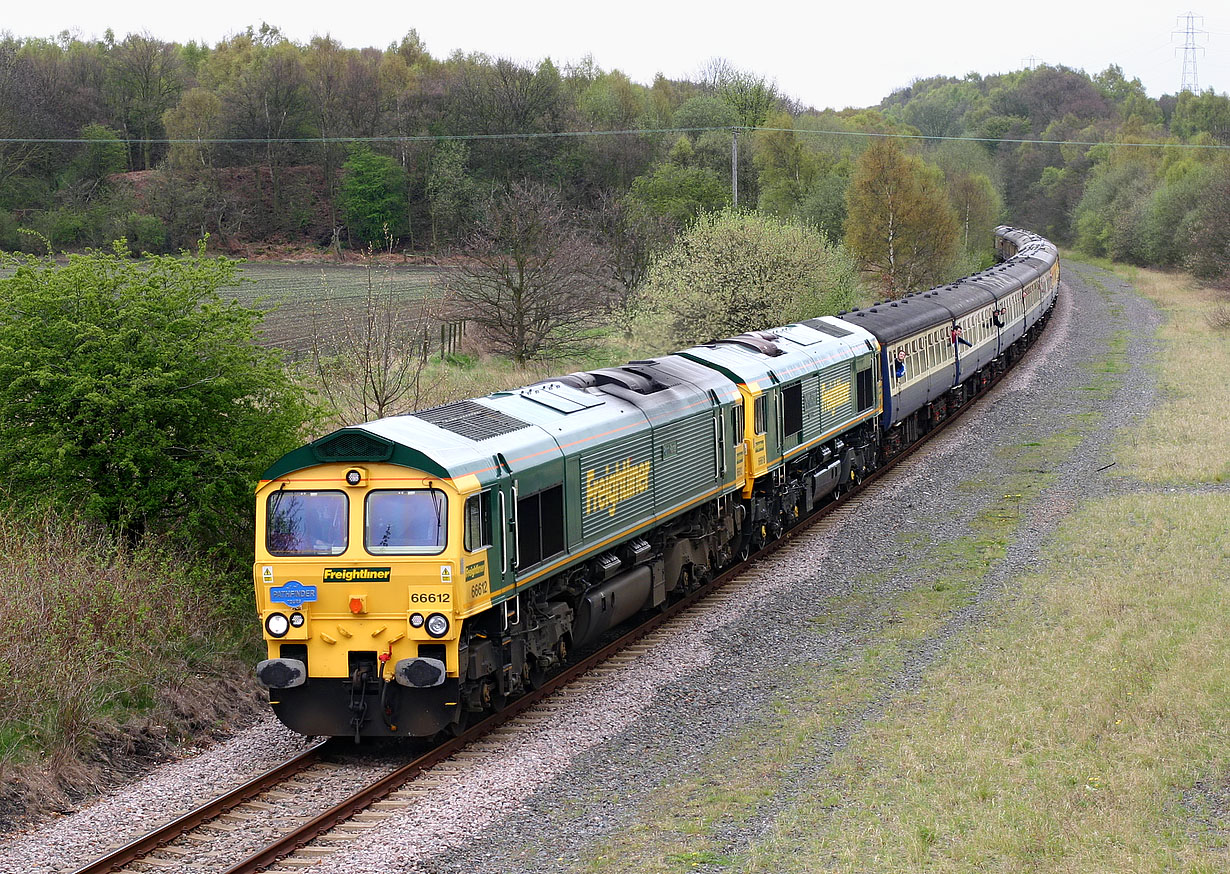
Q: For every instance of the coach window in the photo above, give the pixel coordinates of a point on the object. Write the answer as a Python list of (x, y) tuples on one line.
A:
[(405, 522), (478, 522), (306, 523)]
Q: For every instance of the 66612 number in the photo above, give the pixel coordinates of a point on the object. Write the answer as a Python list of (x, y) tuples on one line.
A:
[(430, 597)]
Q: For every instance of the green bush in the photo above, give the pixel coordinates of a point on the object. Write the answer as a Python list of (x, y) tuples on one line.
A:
[(132, 393), (146, 233), (732, 272), (64, 226), (373, 197), (10, 240)]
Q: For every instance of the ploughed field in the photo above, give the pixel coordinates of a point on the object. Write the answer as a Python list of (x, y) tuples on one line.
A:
[(302, 301)]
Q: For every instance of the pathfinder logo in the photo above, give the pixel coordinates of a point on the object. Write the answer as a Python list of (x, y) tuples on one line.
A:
[(625, 481), (357, 575)]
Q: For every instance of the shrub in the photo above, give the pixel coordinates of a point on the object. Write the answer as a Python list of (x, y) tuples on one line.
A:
[(733, 272), (146, 233), (130, 392), (108, 644)]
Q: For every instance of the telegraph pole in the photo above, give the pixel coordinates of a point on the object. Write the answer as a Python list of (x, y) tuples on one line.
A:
[(1190, 80), (734, 165)]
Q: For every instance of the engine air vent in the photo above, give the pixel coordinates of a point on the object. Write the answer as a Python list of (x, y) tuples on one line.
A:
[(472, 420), (352, 445)]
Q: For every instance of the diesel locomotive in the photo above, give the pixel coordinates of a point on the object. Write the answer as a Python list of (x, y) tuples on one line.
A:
[(416, 570)]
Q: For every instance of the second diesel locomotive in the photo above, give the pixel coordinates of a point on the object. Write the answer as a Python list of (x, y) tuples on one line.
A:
[(418, 569)]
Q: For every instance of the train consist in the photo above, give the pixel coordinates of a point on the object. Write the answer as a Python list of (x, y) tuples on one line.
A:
[(416, 570)]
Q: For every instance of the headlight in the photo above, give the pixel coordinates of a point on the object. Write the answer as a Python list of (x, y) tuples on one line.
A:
[(416, 620), (437, 625), (297, 620), (277, 625)]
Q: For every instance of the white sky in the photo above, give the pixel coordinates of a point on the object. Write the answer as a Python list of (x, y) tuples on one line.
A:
[(847, 54)]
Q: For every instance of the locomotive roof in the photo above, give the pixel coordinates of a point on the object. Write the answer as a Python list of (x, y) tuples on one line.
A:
[(760, 359), (527, 427)]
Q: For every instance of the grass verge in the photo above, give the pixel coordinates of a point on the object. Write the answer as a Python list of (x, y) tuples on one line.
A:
[(1185, 440), (110, 655), (1070, 734)]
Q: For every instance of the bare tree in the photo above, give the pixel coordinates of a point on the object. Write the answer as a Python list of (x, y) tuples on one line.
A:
[(752, 96), (530, 278), (368, 361), (631, 235)]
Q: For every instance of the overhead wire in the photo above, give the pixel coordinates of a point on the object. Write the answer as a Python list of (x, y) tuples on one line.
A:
[(418, 138)]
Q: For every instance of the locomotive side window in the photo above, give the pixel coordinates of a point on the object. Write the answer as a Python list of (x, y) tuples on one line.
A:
[(736, 422), (478, 522), (406, 522), (540, 526), (758, 409), (306, 523), (865, 388), (792, 408)]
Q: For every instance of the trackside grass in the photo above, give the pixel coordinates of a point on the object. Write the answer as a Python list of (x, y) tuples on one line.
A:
[(1071, 734), (106, 649), (1079, 726), (1193, 421)]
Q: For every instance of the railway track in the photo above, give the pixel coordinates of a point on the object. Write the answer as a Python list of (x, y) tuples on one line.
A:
[(270, 797)]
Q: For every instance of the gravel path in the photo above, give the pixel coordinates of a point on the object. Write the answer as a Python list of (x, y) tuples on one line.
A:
[(565, 784)]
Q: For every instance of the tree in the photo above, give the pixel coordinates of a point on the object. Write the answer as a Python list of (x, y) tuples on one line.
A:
[(325, 69), (681, 193), (146, 80), (102, 155), (749, 95), (1209, 237), (732, 272), (368, 361), (631, 236), (132, 394), (195, 118), (1206, 112), (899, 221), (978, 205), (450, 189), (373, 197), (529, 277)]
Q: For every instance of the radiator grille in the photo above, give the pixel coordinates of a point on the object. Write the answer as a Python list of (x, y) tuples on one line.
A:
[(472, 420)]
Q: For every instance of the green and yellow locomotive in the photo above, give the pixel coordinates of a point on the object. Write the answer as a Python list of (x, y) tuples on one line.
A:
[(418, 569)]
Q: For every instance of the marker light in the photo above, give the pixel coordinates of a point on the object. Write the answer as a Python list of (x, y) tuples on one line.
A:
[(437, 625), (277, 625), (416, 620), (297, 620), (355, 476)]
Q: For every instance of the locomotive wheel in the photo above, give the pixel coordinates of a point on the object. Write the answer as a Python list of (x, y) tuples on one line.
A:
[(535, 676), (459, 725)]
